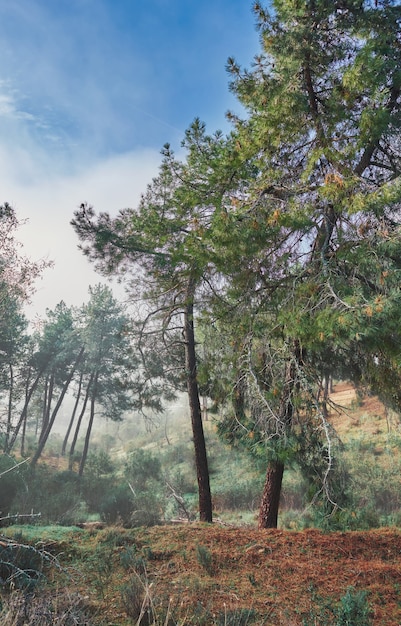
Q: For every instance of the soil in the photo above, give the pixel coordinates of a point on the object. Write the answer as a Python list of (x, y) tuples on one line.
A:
[(286, 578), (283, 576)]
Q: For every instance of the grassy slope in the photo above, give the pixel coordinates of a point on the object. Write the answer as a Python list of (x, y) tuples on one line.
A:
[(203, 572), (206, 571)]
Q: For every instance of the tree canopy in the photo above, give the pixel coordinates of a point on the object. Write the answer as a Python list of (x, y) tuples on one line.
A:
[(287, 231)]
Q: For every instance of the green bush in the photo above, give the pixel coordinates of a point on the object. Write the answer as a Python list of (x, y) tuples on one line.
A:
[(62, 491), (98, 480), (143, 469), (117, 506), (354, 609), (11, 481)]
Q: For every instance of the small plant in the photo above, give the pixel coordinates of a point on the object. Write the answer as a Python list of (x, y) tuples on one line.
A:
[(131, 560), (133, 596), (242, 617), (60, 609), (354, 609), (205, 559), (101, 564)]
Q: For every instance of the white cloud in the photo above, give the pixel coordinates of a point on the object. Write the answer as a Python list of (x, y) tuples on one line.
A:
[(48, 205)]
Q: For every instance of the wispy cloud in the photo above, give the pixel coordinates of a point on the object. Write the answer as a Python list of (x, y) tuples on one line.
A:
[(89, 92)]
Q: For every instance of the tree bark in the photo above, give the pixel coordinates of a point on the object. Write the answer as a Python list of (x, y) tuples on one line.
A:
[(269, 506), (71, 423), (268, 512), (10, 406), (44, 437), (48, 397), (89, 429), (79, 422), (202, 469), (24, 412)]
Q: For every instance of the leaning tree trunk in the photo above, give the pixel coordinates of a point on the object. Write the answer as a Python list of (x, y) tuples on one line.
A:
[(47, 401), (45, 436), (74, 411), (269, 506), (10, 406), (78, 425), (24, 412), (89, 428), (202, 470)]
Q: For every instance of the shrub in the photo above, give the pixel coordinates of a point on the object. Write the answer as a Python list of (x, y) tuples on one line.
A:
[(142, 469), (62, 491), (205, 559), (59, 609), (117, 506), (10, 482), (354, 609)]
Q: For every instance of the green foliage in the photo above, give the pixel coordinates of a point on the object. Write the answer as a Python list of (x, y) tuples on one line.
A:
[(241, 617), (63, 499), (117, 506), (98, 480), (205, 559), (101, 567), (143, 469), (133, 596), (11, 481), (354, 609)]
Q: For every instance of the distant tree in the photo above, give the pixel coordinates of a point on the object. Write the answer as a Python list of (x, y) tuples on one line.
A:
[(17, 283), (109, 359), (60, 351)]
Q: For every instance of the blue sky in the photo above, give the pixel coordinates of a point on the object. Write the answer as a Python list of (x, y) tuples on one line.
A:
[(90, 90)]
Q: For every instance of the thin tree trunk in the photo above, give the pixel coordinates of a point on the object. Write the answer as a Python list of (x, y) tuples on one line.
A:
[(10, 406), (78, 426), (70, 425), (89, 429), (47, 401), (202, 470), (46, 434), (269, 506), (24, 411)]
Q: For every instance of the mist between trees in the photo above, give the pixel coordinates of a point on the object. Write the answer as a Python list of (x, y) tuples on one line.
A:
[(258, 267)]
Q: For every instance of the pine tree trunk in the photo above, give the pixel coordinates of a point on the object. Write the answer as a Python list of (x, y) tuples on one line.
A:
[(10, 406), (268, 511), (48, 397), (74, 411), (24, 412), (79, 422), (89, 429), (202, 470), (45, 436)]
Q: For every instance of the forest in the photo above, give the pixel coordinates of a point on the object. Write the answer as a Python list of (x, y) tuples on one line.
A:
[(262, 274)]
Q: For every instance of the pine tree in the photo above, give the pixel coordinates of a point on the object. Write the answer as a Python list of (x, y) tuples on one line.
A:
[(314, 235)]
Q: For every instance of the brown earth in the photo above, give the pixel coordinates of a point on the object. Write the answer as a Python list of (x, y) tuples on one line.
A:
[(282, 575), (285, 577)]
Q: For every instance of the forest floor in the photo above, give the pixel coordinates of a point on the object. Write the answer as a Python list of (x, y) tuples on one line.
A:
[(225, 575), (214, 574)]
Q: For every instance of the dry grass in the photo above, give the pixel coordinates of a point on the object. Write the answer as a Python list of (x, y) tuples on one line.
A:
[(278, 574)]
